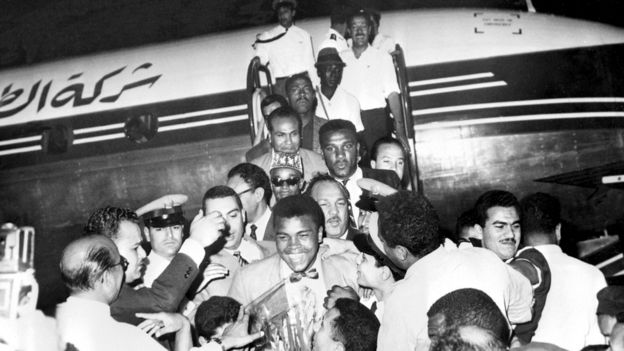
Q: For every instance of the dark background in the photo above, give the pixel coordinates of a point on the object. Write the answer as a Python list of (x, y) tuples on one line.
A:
[(34, 31)]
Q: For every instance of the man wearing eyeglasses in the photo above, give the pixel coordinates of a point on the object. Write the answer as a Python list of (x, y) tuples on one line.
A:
[(122, 227), (253, 187), (285, 132), (286, 175), (93, 270)]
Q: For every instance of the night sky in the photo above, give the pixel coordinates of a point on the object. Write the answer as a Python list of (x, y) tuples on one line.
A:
[(33, 31)]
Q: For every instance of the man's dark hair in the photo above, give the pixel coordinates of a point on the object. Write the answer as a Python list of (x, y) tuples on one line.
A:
[(220, 192), (254, 176), (325, 177), (298, 206), (214, 313), (336, 125), (471, 307), (271, 99), (84, 277), (467, 339), (338, 16), (295, 77), (408, 219), (356, 327), (468, 218), (383, 141), (106, 221), (283, 112), (494, 198), (288, 4), (541, 213)]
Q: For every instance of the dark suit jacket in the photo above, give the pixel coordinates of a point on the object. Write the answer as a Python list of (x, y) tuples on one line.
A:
[(165, 295), (351, 233)]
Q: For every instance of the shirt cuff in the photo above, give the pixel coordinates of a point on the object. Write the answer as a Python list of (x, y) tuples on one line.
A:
[(194, 250)]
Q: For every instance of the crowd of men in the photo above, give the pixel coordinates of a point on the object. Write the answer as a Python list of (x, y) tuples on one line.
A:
[(323, 215)]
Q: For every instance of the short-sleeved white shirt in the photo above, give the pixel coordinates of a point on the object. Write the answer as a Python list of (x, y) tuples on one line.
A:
[(370, 78), (288, 55), (342, 105)]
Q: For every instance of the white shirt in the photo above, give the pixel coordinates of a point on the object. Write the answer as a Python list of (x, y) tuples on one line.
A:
[(307, 292), (370, 78), (88, 325), (289, 54), (248, 251), (384, 43), (354, 191), (158, 264), (342, 105), (404, 324), (569, 315), (261, 224), (333, 39)]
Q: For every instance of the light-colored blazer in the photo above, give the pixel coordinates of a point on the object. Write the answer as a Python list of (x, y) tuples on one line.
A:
[(255, 279)]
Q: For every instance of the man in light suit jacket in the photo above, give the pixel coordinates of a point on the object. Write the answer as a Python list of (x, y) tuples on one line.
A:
[(298, 224)]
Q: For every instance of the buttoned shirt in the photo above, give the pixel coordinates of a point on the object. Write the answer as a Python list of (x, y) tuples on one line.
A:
[(354, 190), (299, 293), (404, 324), (384, 43), (88, 325), (333, 39), (370, 78), (342, 105), (289, 54), (261, 224), (569, 315)]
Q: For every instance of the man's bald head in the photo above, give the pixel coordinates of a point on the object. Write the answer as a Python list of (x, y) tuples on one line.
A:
[(85, 260)]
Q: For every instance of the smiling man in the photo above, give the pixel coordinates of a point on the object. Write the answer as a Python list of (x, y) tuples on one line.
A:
[(498, 212), (298, 222)]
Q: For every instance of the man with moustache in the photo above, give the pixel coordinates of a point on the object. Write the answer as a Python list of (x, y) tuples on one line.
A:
[(369, 76), (298, 222), (333, 198), (498, 213), (340, 150), (285, 130), (168, 290), (302, 99)]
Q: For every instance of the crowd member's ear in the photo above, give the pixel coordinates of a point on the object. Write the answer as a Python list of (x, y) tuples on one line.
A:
[(478, 231), (558, 232), (401, 252), (385, 273), (321, 229)]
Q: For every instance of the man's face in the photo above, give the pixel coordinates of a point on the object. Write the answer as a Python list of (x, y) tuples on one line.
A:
[(128, 243), (360, 30), (286, 182), (335, 207), (369, 274), (285, 16), (390, 157), (301, 95), (501, 232), (285, 136), (234, 218), (297, 240), (330, 75), (245, 192), (340, 150), (323, 340), (166, 241)]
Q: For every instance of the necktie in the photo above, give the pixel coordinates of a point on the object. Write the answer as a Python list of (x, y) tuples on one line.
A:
[(345, 181), (253, 231), (241, 261), (297, 276), (374, 307)]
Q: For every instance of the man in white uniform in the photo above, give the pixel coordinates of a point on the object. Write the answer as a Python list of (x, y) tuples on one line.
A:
[(286, 48)]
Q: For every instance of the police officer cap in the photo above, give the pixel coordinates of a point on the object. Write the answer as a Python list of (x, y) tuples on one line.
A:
[(611, 300), (163, 212), (277, 3)]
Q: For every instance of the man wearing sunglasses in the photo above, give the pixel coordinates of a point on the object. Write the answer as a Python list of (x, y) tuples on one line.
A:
[(285, 133), (286, 175)]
